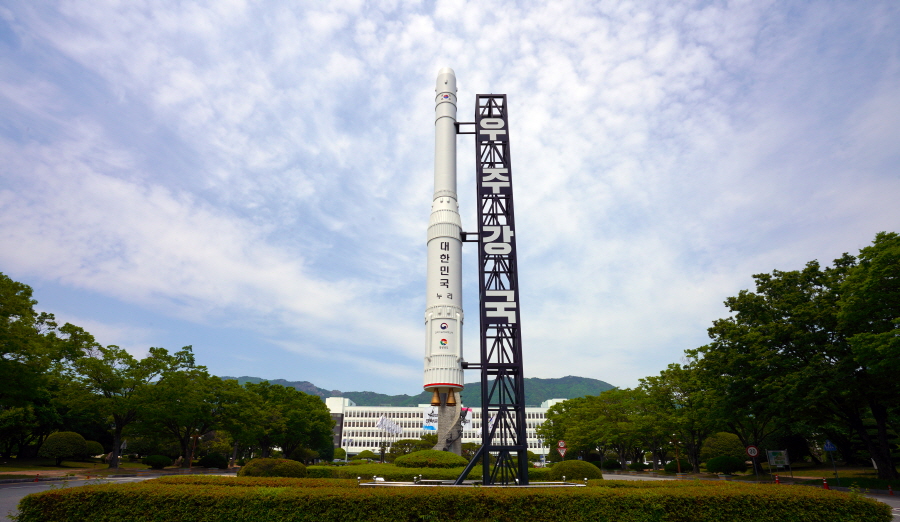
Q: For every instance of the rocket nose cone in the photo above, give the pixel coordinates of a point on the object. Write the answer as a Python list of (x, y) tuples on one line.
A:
[(446, 81)]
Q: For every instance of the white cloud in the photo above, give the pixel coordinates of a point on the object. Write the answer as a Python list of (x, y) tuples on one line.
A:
[(269, 166)]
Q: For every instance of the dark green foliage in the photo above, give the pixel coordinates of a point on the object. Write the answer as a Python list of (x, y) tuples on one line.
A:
[(63, 445), (93, 448), (726, 464), (364, 455), (430, 459), (158, 461), (574, 470), (611, 464), (214, 460), (273, 468), (721, 444), (206, 499), (672, 467), (637, 466)]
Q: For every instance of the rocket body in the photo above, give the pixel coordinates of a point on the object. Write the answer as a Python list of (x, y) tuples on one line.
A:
[(443, 302)]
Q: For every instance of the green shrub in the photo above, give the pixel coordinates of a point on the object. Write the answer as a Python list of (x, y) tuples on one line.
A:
[(538, 474), (63, 445), (430, 459), (92, 448), (314, 501), (365, 455), (574, 470), (721, 444), (611, 464), (672, 467), (726, 464), (637, 466), (273, 468), (214, 460), (321, 472), (158, 461)]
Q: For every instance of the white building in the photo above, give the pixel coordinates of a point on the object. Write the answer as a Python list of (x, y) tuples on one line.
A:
[(355, 429)]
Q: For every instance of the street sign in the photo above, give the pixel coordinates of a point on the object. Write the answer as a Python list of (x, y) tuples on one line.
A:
[(829, 446), (752, 451), (778, 458), (562, 452), (561, 444)]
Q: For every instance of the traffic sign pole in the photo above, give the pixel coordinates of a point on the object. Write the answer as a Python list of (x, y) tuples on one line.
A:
[(753, 451), (831, 448), (561, 448)]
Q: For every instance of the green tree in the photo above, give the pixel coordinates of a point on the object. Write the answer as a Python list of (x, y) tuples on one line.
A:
[(812, 346), (62, 445), (290, 419), (183, 404), (116, 379), (681, 410)]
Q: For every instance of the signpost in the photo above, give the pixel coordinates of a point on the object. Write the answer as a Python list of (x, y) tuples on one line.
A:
[(779, 459), (561, 448), (753, 452), (831, 448)]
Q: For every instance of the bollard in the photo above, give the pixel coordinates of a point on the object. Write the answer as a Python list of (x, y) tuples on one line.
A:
[(825, 484), (777, 480), (890, 490), (36, 477)]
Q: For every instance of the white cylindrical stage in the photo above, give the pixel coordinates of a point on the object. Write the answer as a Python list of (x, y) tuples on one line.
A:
[(443, 302)]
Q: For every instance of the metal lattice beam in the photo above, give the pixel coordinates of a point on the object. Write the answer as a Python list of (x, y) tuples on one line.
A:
[(502, 379)]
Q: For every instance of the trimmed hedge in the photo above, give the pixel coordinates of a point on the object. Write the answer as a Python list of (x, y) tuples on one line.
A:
[(214, 460), (609, 464), (157, 461), (273, 468), (155, 500), (672, 466), (574, 470), (726, 464), (255, 482), (430, 459)]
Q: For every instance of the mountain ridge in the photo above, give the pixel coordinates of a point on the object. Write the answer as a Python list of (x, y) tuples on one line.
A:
[(537, 390)]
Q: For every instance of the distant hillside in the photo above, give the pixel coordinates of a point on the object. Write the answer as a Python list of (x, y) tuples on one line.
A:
[(304, 386), (536, 391)]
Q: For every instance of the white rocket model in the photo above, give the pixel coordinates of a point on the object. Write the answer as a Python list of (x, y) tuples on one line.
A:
[(443, 302)]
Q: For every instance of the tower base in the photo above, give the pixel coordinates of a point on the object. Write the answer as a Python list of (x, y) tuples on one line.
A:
[(450, 430)]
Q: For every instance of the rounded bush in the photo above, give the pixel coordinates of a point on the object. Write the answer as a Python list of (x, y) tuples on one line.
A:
[(637, 466), (157, 461), (92, 448), (214, 460), (726, 464), (672, 467), (720, 445), (574, 470), (273, 468), (430, 459), (611, 464), (62, 445)]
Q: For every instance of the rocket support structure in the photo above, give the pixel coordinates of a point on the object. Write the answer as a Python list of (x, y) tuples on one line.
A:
[(443, 303)]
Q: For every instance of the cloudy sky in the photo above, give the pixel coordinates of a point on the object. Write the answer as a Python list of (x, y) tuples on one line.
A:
[(253, 178)]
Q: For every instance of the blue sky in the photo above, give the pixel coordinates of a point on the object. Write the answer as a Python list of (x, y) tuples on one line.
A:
[(254, 178)]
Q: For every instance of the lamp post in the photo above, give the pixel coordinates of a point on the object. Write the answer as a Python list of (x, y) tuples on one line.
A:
[(195, 436), (675, 443), (347, 442)]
